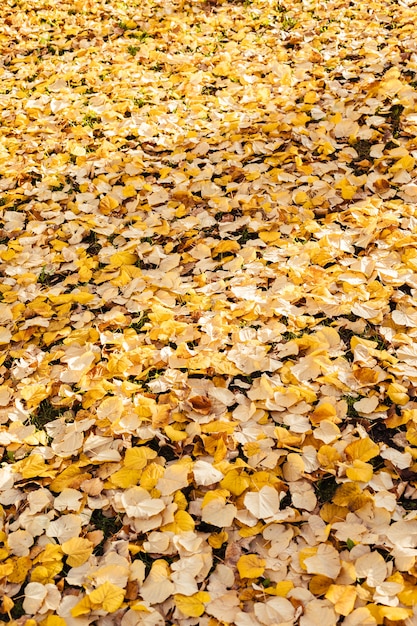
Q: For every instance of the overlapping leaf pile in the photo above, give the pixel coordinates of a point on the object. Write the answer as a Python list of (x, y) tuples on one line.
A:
[(208, 320)]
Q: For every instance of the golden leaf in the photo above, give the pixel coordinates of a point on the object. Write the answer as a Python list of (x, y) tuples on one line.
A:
[(235, 482), (108, 204), (78, 551), (53, 620), (343, 597), (107, 597), (21, 567), (319, 584), (123, 478), (183, 522), (32, 466), (351, 495), (250, 566), (360, 471), (192, 606), (123, 258), (70, 477), (362, 449)]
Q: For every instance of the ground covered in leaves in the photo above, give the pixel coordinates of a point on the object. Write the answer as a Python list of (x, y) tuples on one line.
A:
[(208, 323)]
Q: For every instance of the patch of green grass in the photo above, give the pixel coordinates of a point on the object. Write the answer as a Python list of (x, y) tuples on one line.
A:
[(350, 544), (326, 488), (288, 23), (140, 36), (139, 102), (46, 413), (133, 50), (246, 235), (90, 119), (44, 277), (18, 610), (350, 401), (109, 525), (394, 116), (140, 322), (280, 8)]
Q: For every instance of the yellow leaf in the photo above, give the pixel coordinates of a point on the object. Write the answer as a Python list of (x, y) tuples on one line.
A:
[(343, 597), (151, 475), (129, 191), (408, 596), (393, 613), (351, 495), (281, 589), (228, 245), (6, 605), (306, 553), (53, 620), (82, 607), (50, 564), (269, 237), (348, 191), (183, 522), (216, 494), (235, 482), (397, 393), (325, 411), (51, 554), (300, 197), (84, 274), (6, 569), (108, 597), (310, 97), (251, 531), (407, 163), (78, 550), (361, 472), (34, 394), (251, 566), (174, 434), (108, 204), (328, 456), (331, 513), (123, 478), (362, 449), (319, 584), (218, 539), (33, 466), (70, 477), (42, 573), (123, 258), (21, 565), (192, 606)]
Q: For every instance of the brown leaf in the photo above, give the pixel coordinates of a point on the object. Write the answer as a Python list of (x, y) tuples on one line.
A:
[(132, 590), (201, 404)]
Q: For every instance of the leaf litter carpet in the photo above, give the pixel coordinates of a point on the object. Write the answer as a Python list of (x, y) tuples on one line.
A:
[(208, 257)]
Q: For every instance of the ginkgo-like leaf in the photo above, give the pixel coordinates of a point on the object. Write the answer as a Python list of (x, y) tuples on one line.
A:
[(107, 597), (263, 503), (326, 562), (251, 566), (157, 586), (362, 450), (194, 605), (207, 312), (78, 550)]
